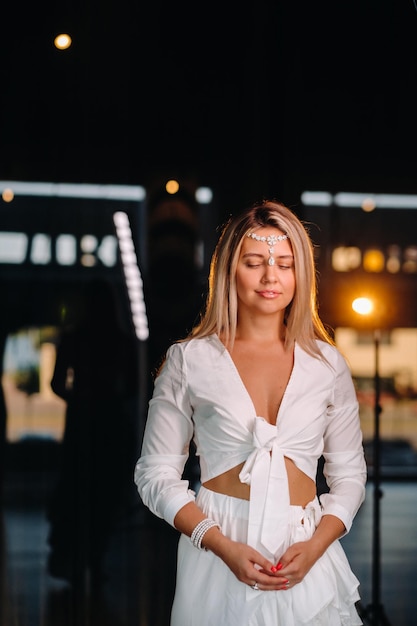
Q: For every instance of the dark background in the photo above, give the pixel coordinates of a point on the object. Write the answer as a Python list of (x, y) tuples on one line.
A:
[(253, 99)]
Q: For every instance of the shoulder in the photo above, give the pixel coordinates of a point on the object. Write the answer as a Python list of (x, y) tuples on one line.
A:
[(330, 356), (339, 365), (194, 351), (328, 350)]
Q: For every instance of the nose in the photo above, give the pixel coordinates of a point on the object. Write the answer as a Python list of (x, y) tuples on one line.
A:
[(270, 275)]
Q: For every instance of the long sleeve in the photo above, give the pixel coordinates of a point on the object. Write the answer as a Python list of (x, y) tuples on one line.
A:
[(345, 466), (165, 447)]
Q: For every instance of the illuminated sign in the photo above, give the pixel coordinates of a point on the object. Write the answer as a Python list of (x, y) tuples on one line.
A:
[(42, 249)]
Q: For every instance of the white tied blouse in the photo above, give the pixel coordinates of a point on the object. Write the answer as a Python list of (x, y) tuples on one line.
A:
[(199, 393)]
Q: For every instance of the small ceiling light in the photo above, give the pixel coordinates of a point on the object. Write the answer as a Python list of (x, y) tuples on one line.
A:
[(172, 186), (368, 205), (204, 195), (62, 41), (8, 194)]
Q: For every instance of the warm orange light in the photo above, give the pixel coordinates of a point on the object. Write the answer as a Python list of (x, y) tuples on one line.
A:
[(373, 260), (363, 306), (172, 186), (368, 205), (346, 258), (62, 41), (8, 194)]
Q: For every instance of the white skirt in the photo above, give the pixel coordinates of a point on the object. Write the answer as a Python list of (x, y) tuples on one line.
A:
[(208, 593)]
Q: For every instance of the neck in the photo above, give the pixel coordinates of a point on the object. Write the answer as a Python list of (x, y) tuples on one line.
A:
[(262, 330)]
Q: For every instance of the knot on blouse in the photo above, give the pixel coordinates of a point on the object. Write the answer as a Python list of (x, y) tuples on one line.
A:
[(269, 503)]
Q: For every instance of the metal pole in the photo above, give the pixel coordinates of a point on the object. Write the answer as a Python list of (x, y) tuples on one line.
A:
[(376, 569)]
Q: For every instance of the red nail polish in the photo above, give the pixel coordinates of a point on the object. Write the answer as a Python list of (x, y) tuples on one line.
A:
[(279, 566), (274, 569)]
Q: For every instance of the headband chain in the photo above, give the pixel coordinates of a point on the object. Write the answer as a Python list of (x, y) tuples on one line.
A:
[(271, 240)]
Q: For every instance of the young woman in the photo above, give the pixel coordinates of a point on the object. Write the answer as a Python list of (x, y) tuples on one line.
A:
[(264, 393)]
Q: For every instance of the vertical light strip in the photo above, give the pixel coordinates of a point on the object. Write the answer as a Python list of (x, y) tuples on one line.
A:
[(132, 275)]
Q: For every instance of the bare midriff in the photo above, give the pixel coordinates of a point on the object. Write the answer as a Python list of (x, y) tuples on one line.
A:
[(301, 488)]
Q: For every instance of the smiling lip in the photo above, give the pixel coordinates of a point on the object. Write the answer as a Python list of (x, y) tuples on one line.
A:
[(268, 294)]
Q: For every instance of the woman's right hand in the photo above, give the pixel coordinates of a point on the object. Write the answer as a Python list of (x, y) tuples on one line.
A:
[(247, 564)]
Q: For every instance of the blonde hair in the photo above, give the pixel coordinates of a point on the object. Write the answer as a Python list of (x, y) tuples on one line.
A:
[(301, 317)]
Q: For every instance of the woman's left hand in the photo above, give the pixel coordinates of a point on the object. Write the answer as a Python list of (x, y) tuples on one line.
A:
[(296, 561), (301, 556)]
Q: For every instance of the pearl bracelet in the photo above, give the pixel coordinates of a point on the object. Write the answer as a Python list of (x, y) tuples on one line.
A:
[(200, 530)]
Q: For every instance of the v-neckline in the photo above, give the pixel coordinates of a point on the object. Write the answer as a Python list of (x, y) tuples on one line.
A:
[(247, 394)]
